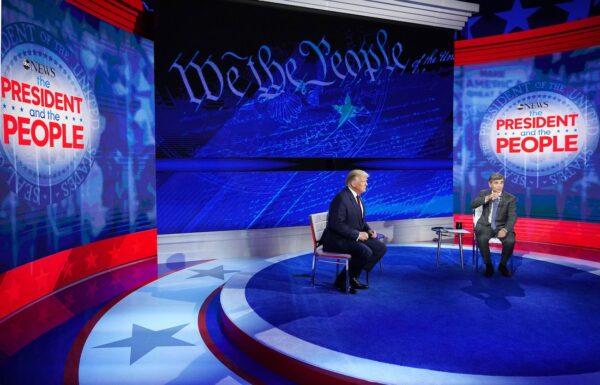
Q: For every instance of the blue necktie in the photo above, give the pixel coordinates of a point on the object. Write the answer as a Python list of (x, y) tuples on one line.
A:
[(494, 213)]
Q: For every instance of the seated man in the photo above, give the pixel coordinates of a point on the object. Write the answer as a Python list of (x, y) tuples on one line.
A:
[(497, 220), (348, 232)]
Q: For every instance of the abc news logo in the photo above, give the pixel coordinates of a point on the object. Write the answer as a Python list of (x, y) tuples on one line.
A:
[(40, 68), (532, 106)]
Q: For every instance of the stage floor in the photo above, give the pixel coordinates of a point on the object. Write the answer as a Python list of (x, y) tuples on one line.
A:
[(224, 321)]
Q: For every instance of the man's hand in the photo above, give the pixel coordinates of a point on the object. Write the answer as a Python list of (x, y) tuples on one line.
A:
[(502, 233), (492, 196), (363, 236), (373, 233)]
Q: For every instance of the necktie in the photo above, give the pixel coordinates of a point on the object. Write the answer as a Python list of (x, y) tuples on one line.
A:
[(360, 204), (494, 213)]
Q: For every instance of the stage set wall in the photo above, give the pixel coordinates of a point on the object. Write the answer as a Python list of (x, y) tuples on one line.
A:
[(77, 246), (262, 110), (78, 207), (543, 72)]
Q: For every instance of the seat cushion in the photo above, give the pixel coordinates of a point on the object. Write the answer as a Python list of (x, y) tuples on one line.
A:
[(327, 254)]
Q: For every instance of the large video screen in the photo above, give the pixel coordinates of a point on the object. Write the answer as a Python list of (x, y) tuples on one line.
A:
[(536, 121), (248, 81), (259, 199), (77, 144)]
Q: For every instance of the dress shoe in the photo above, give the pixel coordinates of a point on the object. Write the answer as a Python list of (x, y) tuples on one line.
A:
[(355, 283), (489, 270), (503, 270), (342, 287)]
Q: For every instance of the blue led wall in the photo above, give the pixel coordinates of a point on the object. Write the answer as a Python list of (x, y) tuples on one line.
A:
[(77, 164), (536, 121), (262, 110)]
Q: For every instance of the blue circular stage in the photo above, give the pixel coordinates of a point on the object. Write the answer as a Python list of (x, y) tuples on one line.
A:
[(541, 322)]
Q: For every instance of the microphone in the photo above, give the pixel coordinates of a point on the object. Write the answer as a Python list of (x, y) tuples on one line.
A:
[(498, 197)]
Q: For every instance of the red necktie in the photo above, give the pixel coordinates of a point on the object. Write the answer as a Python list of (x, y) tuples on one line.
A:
[(360, 205)]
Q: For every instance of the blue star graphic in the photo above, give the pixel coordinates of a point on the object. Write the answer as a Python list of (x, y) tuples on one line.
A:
[(216, 272), (347, 111), (517, 17), (143, 340), (470, 23), (577, 9)]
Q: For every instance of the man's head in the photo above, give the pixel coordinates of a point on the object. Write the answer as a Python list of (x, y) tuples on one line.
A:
[(496, 182), (357, 181)]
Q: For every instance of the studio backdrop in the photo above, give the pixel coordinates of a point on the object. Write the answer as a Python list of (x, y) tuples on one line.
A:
[(262, 110), (77, 141), (535, 120)]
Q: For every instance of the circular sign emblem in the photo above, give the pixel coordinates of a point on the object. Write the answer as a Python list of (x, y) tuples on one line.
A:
[(50, 116), (540, 130)]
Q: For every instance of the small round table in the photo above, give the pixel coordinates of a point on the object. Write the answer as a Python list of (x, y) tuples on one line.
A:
[(440, 231)]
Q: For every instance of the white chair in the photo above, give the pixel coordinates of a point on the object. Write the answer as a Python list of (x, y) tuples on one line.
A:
[(318, 223), (476, 215)]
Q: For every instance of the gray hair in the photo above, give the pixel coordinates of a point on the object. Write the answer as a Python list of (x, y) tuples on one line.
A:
[(355, 174), (496, 176)]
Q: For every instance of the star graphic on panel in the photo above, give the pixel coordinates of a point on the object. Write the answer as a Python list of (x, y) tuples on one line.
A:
[(215, 272), (577, 9), (91, 261), (347, 111), (470, 23), (517, 17), (143, 340)]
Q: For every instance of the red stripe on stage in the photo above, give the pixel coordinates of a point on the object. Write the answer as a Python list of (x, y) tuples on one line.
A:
[(534, 42), (71, 375), (552, 232), (288, 367), (212, 346), (32, 281)]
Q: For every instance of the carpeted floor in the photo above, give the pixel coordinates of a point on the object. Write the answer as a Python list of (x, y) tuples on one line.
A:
[(543, 321)]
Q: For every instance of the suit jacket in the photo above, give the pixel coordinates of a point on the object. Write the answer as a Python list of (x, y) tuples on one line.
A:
[(345, 220), (507, 210)]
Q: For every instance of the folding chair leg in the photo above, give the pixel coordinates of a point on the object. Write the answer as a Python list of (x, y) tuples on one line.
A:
[(473, 252), (314, 270), (380, 266), (476, 255), (347, 278), (462, 257), (439, 245)]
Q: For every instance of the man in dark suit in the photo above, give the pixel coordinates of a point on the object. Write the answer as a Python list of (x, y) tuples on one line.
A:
[(498, 219), (348, 232)]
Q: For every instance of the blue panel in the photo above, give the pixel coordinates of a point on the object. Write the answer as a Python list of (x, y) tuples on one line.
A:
[(246, 200), (262, 110), (53, 197), (535, 120)]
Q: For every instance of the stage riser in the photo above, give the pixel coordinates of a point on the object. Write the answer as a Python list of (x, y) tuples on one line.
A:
[(294, 370), (265, 243)]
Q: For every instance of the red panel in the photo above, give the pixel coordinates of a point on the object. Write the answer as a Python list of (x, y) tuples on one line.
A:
[(34, 280), (539, 41), (124, 14), (548, 231), (25, 326), (212, 346)]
